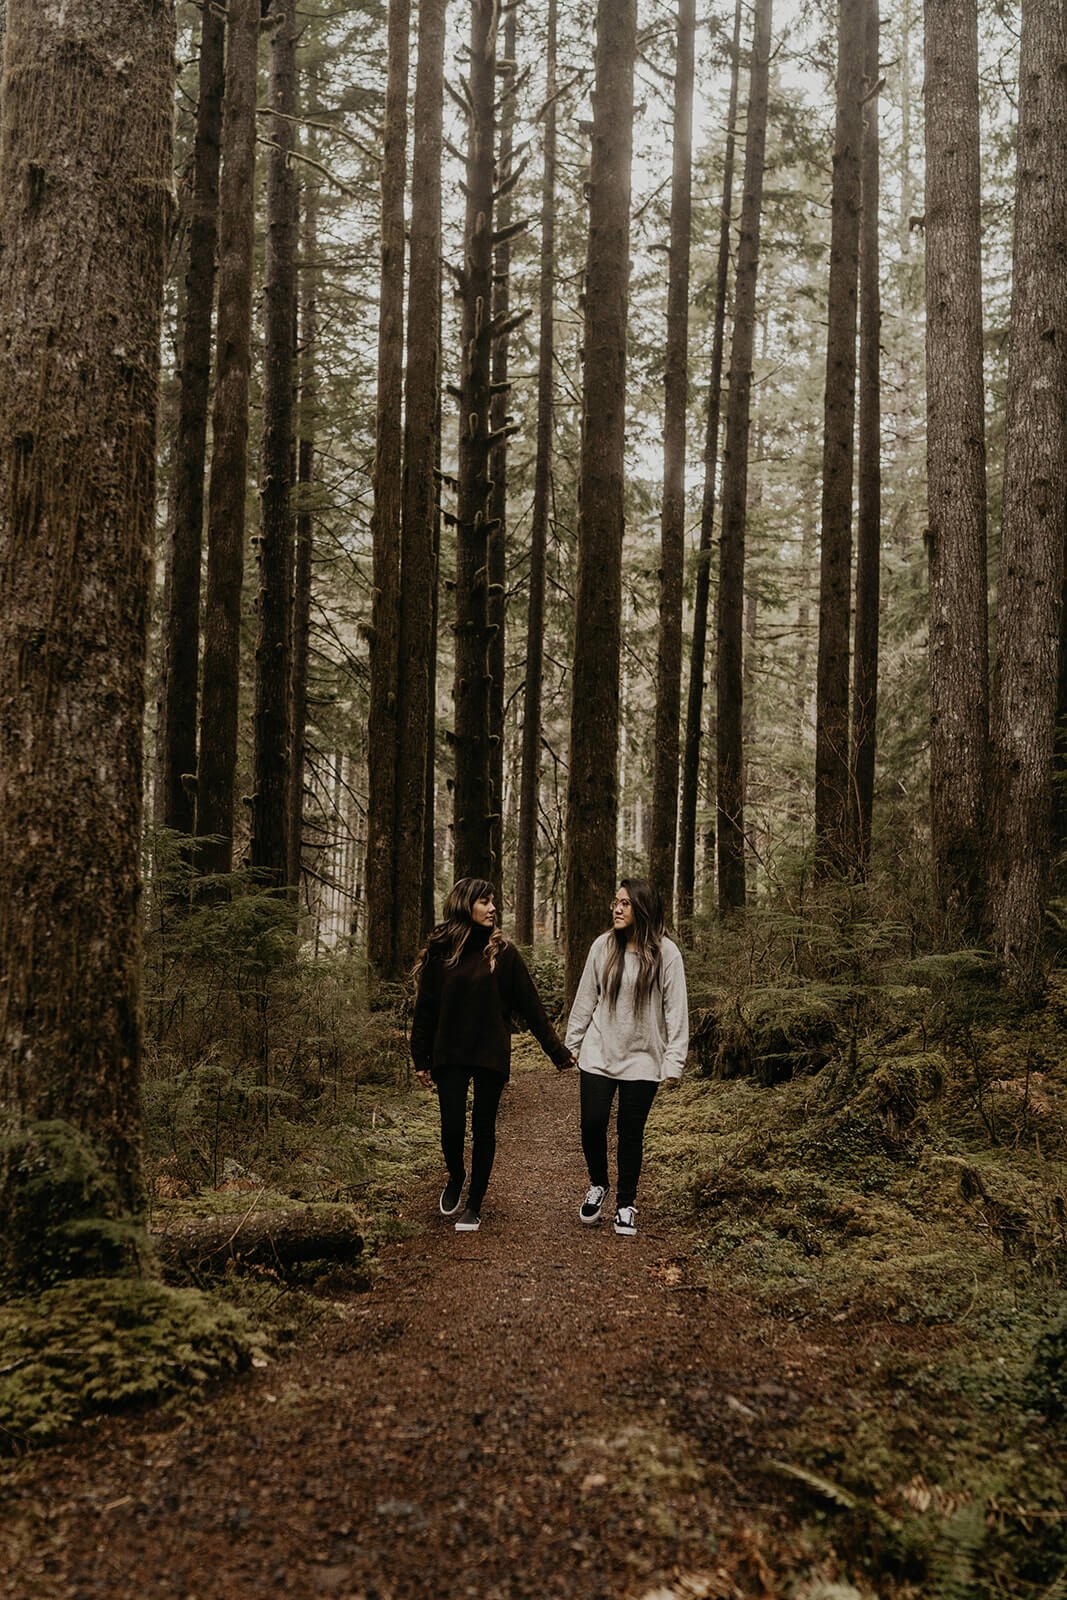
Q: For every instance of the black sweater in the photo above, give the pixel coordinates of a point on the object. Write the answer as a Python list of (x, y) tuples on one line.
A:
[(463, 1013)]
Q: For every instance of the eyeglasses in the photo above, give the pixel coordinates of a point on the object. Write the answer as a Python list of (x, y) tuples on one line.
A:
[(621, 905)]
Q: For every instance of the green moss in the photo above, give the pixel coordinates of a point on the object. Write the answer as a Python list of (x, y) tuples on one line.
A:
[(107, 1344), (60, 1212)]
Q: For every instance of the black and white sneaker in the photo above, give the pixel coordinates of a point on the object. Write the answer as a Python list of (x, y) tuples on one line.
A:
[(469, 1222), (593, 1204), (450, 1201), (626, 1221)]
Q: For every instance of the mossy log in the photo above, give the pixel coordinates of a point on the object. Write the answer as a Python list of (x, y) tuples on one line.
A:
[(278, 1239)]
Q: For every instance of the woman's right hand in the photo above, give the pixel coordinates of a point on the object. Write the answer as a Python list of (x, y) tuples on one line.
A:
[(425, 1079)]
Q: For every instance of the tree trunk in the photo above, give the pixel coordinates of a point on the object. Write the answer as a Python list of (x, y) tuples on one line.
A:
[(672, 522), (385, 522), (530, 783), (592, 785), (687, 826), (473, 800), (955, 463), (85, 179), (429, 842), (1030, 590), (180, 642), (869, 525), (415, 712), (729, 695), (305, 521), (1059, 765), (272, 750), (832, 783), (217, 767), (500, 427)]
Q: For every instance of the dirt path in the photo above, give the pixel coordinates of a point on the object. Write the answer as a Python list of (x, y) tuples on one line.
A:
[(536, 1410)]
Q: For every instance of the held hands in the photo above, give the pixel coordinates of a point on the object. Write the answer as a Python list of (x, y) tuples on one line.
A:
[(425, 1079), (571, 1061)]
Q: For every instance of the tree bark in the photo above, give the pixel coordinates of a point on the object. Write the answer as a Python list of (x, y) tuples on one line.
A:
[(382, 729), (429, 842), (1059, 764), (85, 183), (955, 460), (473, 801), (672, 522), (305, 521), (687, 825), (272, 747), (1030, 589), (592, 784), (729, 694), (500, 428), (180, 642), (415, 711), (869, 523), (530, 783), (832, 779), (217, 767)]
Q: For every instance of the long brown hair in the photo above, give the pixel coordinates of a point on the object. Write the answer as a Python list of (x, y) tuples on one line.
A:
[(648, 926), (457, 922)]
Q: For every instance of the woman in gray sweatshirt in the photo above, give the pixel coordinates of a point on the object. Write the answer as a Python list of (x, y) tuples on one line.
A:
[(629, 1027)]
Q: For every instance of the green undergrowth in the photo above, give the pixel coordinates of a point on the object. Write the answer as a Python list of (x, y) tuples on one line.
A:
[(269, 1084), (879, 1159), (103, 1345)]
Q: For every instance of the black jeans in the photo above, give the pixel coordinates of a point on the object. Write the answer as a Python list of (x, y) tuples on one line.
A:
[(451, 1084), (635, 1102)]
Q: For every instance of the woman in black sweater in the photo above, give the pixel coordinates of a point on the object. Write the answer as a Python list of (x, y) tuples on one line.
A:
[(470, 983)]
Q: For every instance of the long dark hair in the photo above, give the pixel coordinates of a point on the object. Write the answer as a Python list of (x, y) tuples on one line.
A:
[(457, 921), (647, 903)]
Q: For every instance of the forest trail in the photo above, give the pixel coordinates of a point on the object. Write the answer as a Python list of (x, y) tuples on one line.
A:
[(535, 1410)]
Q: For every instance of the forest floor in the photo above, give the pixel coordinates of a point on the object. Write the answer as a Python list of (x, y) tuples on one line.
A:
[(538, 1409)]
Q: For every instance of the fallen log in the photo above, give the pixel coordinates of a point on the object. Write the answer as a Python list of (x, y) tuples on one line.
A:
[(277, 1239)]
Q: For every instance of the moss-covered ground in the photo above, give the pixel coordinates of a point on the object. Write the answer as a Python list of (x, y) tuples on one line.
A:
[(887, 1157)]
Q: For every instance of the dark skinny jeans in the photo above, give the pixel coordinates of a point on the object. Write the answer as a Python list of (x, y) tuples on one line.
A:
[(635, 1102), (452, 1084)]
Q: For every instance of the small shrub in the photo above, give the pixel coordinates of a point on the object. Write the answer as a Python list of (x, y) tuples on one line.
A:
[(62, 1216), (109, 1344)]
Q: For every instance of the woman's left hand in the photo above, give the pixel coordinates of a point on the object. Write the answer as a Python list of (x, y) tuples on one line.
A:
[(425, 1079)]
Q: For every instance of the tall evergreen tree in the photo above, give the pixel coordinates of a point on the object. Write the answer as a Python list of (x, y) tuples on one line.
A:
[(832, 778), (305, 519), (272, 747), (81, 291), (530, 782), (217, 764), (955, 463), (869, 522), (672, 522), (1030, 590), (472, 795), (385, 522), (501, 429), (180, 631), (729, 692), (415, 711), (687, 822), (592, 784)]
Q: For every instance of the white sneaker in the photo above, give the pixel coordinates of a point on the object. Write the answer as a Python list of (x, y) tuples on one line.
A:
[(593, 1204), (626, 1221), (469, 1222)]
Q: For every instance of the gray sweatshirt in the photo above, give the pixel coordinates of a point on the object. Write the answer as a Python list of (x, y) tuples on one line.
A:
[(617, 1044)]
